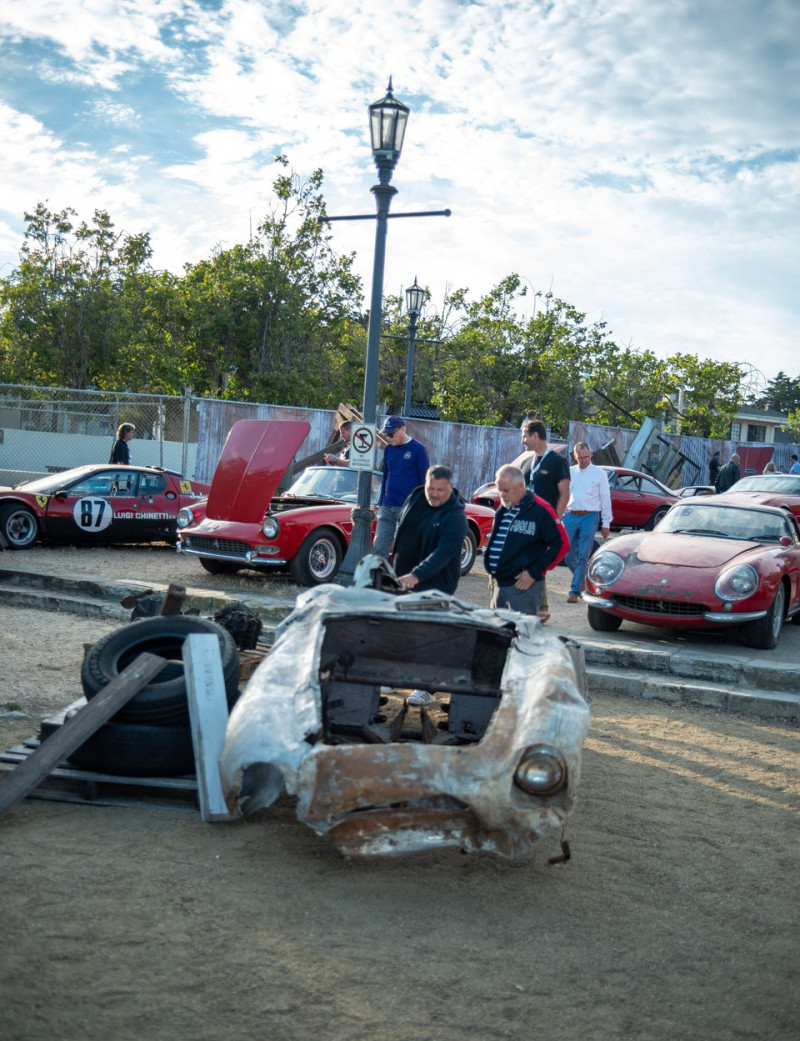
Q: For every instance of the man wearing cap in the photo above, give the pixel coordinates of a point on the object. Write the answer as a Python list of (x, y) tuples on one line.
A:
[(405, 464)]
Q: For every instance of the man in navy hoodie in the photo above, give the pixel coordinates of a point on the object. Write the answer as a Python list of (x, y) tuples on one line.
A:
[(427, 547), (526, 541), (430, 535)]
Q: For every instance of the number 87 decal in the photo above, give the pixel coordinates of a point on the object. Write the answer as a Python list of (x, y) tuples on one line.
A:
[(93, 514)]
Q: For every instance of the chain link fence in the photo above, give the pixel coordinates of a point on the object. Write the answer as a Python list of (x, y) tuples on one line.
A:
[(48, 429)]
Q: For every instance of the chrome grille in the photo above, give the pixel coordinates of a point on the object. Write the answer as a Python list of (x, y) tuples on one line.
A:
[(211, 544), (668, 608)]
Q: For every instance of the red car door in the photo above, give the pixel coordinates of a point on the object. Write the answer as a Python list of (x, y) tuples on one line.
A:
[(102, 507)]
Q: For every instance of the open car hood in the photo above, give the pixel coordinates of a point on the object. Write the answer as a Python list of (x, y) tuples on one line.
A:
[(254, 458)]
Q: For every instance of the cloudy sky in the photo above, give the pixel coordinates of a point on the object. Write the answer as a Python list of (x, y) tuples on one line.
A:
[(638, 158)]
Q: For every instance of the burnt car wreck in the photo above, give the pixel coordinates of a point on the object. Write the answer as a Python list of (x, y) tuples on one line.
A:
[(491, 764)]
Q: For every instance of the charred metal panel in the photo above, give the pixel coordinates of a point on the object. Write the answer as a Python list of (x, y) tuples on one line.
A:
[(381, 777)]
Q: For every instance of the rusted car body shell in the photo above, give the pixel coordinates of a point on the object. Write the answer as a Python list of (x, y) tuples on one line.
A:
[(397, 785)]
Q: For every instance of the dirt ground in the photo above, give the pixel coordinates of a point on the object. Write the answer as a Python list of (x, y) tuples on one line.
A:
[(676, 917)]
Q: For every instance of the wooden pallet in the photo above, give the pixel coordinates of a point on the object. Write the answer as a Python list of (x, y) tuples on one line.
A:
[(68, 784)]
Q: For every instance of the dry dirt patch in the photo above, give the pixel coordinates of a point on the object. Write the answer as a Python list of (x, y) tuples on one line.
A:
[(676, 917)]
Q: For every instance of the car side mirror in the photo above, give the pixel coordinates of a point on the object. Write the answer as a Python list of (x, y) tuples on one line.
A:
[(786, 540), (61, 494)]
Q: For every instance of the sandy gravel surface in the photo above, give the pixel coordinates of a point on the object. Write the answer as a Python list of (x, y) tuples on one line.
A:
[(676, 917)]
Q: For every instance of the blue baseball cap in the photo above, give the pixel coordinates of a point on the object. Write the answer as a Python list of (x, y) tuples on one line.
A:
[(392, 423)]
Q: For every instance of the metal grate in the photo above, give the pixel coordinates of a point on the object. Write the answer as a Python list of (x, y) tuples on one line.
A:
[(211, 544), (668, 608)]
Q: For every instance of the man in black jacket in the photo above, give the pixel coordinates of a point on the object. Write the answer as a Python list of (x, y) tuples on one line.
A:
[(430, 535), (525, 542), (728, 474), (427, 545)]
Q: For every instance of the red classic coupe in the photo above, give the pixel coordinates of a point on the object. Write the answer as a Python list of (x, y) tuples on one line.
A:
[(712, 563), (97, 503), (637, 500), (246, 523)]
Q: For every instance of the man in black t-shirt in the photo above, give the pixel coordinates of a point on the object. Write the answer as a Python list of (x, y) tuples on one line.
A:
[(546, 475)]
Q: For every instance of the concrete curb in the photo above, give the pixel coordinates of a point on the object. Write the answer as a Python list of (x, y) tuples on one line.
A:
[(739, 683)]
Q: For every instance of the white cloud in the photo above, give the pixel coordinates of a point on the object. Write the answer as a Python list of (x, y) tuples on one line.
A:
[(639, 159)]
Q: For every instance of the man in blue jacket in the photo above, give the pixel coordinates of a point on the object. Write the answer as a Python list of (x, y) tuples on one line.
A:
[(427, 546), (430, 535), (526, 541), (405, 461)]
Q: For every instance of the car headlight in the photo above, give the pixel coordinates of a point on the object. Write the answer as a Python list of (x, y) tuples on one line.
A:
[(737, 583), (270, 527), (605, 568), (541, 770), (185, 517)]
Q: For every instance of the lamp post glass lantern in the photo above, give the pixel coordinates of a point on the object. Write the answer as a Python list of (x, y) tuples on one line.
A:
[(387, 121), (415, 297)]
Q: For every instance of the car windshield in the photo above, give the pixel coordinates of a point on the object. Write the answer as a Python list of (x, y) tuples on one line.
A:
[(786, 484), (331, 482), (730, 522), (51, 483)]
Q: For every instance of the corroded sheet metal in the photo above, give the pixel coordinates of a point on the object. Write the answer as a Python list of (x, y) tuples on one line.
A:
[(406, 795)]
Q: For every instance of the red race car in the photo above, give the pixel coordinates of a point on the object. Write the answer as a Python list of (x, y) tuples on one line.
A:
[(712, 563), (97, 503), (246, 523), (637, 500)]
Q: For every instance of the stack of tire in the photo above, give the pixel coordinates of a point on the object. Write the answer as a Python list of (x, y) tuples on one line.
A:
[(151, 736)]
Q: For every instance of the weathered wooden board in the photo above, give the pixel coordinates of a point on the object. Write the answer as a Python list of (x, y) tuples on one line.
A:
[(208, 713)]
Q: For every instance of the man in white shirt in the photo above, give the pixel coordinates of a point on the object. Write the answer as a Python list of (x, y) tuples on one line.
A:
[(589, 506)]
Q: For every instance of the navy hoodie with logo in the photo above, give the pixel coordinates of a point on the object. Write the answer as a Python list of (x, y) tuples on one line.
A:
[(534, 543)]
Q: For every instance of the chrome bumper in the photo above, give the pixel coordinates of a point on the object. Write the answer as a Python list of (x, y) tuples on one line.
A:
[(719, 617), (246, 559)]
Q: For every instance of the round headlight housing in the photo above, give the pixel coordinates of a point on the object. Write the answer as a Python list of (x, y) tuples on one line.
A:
[(737, 582), (270, 527), (542, 770), (605, 568), (185, 517)]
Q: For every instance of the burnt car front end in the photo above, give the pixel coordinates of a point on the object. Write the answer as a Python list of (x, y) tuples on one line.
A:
[(491, 763)]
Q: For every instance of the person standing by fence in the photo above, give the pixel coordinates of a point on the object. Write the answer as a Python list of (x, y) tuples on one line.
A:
[(120, 453)]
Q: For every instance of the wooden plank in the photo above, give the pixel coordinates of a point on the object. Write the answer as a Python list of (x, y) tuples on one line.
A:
[(76, 730), (208, 713)]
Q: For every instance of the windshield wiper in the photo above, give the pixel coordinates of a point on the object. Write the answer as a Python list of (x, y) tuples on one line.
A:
[(699, 531)]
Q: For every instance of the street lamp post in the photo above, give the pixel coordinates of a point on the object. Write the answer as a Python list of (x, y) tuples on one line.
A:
[(387, 120), (415, 297)]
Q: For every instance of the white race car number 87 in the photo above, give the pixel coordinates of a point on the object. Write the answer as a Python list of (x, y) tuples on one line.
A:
[(93, 514)]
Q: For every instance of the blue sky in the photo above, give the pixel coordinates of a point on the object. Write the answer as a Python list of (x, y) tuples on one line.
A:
[(638, 158)]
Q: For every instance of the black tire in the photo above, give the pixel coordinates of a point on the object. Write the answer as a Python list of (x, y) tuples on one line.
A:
[(603, 622), (765, 633), (469, 551), (219, 567), (19, 525), (131, 750), (657, 515), (162, 702), (318, 559)]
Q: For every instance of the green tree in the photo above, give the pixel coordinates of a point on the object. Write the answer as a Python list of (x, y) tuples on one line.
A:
[(272, 320), (61, 317), (781, 394)]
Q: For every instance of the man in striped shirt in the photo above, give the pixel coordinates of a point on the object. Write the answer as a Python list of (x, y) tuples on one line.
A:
[(526, 541)]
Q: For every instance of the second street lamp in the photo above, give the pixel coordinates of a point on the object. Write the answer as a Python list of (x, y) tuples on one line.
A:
[(387, 120), (415, 297)]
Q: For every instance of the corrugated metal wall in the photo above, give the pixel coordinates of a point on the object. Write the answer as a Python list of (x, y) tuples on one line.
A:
[(473, 452)]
